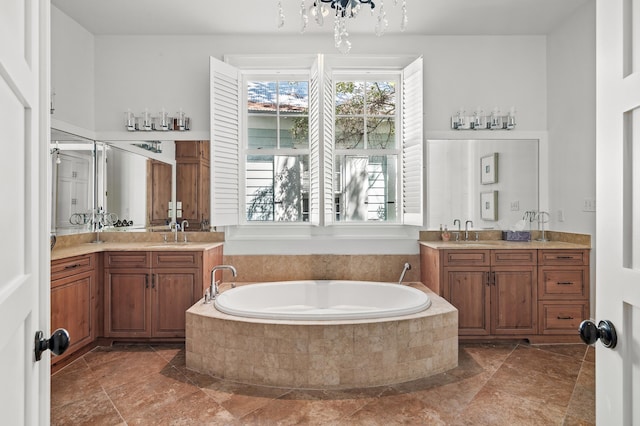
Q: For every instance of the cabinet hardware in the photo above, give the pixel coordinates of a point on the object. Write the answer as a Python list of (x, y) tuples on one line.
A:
[(487, 279), (75, 265), (153, 281), (565, 283), (560, 317), (146, 281), (493, 278)]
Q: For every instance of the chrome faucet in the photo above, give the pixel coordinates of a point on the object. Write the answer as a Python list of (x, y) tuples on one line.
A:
[(183, 225), (407, 266), (466, 229), (174, 227), (457, 233), (214, 288)]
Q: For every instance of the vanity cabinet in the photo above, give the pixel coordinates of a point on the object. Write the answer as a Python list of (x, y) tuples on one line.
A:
[(193, 182), (538, 294), (494, 290), (563, 290), (75, 301), (148, 293)]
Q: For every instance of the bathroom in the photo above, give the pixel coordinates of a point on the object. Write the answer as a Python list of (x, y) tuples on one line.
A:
[(548, 77)]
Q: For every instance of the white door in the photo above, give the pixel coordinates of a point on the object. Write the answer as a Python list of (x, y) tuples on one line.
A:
[(24, 252), (618, 215)]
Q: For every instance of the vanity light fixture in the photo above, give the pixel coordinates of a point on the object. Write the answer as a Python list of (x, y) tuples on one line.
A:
[(342, 11), (162, 122), (481, 121)]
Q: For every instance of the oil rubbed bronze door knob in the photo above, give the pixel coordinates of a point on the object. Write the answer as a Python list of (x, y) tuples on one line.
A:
[(58, 342), (605, 331)]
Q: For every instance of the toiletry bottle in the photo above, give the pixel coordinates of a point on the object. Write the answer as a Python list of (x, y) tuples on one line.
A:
[(446, 236)]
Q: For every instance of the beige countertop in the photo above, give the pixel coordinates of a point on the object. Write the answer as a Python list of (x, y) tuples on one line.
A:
[(86, 248), (500, 244)]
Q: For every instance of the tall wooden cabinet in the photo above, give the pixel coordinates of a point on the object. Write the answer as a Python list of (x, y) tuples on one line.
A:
[(193, 182), (158, 192)]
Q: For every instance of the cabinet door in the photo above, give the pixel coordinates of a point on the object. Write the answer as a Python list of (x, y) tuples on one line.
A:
[(514, 300), (127, 304), (172, 293), (71, 309), (187, 184), (158, 191), (468, 290)]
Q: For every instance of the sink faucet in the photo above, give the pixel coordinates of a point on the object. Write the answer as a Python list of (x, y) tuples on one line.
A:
[(214, 291), (457, 233), (183, 225), (174, 227), (466, 229)]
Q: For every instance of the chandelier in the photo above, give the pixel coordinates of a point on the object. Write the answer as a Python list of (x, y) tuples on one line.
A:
[(342, 11)]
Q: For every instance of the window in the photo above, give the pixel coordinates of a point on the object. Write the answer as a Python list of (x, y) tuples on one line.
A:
[(324, 145), (277, 150)]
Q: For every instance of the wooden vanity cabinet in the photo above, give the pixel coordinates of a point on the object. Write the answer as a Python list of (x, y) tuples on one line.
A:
[(563, 290), (148, 293), (75, 301), (494, 290)]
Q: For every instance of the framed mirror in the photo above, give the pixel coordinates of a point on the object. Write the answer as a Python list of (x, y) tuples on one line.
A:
[(73, 183), (464, 179)]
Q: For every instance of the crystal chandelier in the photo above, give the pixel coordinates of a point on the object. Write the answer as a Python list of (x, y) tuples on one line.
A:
[(342, 11)]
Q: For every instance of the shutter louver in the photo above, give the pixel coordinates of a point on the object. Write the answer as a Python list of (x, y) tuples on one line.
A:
[(225, 142), (314, 145), (327, 140), (412, 144)]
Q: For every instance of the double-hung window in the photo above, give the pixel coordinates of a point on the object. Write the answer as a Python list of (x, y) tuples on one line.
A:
[(326, 145)]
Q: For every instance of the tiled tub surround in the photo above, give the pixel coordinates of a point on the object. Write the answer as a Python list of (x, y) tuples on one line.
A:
[(323, 354)]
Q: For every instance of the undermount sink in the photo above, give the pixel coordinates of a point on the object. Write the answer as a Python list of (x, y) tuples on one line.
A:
[(171, 245)]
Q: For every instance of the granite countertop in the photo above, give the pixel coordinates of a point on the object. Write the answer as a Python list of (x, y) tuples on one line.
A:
[(86, 248), (500, 244)]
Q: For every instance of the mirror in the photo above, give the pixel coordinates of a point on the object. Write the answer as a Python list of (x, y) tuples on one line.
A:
[(119, 186), (490, 182), (139, 183), (73, 184)]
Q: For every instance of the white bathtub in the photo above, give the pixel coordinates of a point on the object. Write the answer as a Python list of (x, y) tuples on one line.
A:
[(322, 300)]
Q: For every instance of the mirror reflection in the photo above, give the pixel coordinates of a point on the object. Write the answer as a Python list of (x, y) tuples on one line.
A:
[(115, 186), (490, 182)]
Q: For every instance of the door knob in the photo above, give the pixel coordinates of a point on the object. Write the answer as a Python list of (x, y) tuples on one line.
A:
[(605, 331), (58, 342)]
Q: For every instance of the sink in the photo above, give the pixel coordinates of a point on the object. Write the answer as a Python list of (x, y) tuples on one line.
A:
[(171, 245)]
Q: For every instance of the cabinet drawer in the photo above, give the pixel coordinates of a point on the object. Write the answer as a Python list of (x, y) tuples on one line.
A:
[(467, 258), (514, 257), (72, 265), (127, 259), (561, 317), (563, 257), (171, 259), (563, 283)]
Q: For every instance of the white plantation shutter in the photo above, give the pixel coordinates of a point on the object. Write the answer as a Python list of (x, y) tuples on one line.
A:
[(327, 144), (225, 143), (412, 144), (314, 145)]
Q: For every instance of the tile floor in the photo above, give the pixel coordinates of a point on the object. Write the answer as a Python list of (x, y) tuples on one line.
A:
[(494, 384)]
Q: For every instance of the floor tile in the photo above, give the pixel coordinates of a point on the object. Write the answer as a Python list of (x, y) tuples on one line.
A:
[(494, 383)]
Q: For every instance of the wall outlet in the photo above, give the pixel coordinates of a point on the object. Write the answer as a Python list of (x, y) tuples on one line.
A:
[(515, 206), (589, 205), (560, 215)]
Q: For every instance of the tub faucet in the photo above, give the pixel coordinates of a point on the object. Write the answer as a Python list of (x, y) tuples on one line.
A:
[(407, 266), (466, 229), (214, 290), (183, 226)]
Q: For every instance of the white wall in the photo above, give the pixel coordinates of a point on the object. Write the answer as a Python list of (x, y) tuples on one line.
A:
[(572, 125), (140, 72), (72, 71)]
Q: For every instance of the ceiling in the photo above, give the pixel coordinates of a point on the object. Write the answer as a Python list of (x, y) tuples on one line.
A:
[(427, 17)]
